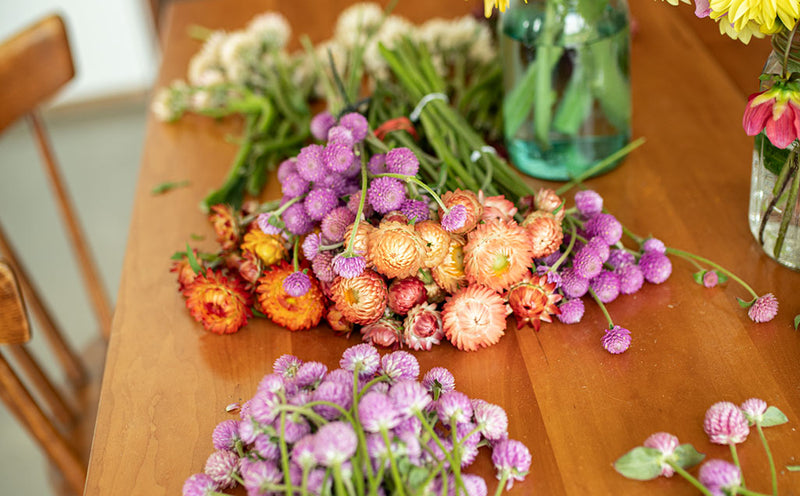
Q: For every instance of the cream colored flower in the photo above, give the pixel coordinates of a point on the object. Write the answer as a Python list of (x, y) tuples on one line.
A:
[(436, 240), (474, 318)]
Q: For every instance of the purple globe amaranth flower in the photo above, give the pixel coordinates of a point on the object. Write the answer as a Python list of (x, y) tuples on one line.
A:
[(341, 376), (654, 244), (303, 452), (297, 220), (297, 284), (474, 484), (356, 123), (469, 445), (725, 424), (319, 202), (222, 466), (571, 311), (606, 286), (588, 202), (606, 226), (587, 263), (552, 277), (199, 485), (248, 428), (310, 374), (439, 380), (400, 365), (377, 412), (295, 428), (402, 161), (294, 185), (631, 278), (409, 396), (263, 407), (491, 419), (656, 267), (340, 134), (710, 278), (665, 443), (573, 284), (377, 164), (348, 266), (598, 243), (454, 218), (332, 392), (454, 407), (225, 435), (309, 163), (512, 459), (267, 447), (334, 225), (754, 410), (763, 309), (719, 477), (311, 246), (363, 357), (415, 210), (334, 443), (618, 258), (263, 221), (271, 384), (287, 365), (352, 205), (337, 157), (286, 167), (322, 265), (386, 194), (616, 340), (321, 123), (259, 476)]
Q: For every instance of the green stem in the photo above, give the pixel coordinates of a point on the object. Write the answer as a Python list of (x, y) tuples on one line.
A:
[(788, 213), (688, 256), (337, 480), (746, 492), (295, 249), (435, 438), (601, 165), (360, 212), (602, 307), (304, 483), (414, 180), (285, 452), (689, 477), (501, 484), (566, 253), (772, 472), (788, 50), (398, 482), (735, 456)]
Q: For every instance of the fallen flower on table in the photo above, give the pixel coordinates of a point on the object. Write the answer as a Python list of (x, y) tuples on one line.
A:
[(724, 423), (369, 427)]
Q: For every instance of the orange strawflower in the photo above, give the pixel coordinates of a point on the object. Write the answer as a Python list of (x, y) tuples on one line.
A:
[(223, 220), (496, 208), (360, 244), (470, 201), (362, 299), (449, 274), (497, 255), (544, 231), (533, 300), (338, 323), (268, 247), (292, 312), (436, 241), (395, 250), (221, 304), (474, 318)]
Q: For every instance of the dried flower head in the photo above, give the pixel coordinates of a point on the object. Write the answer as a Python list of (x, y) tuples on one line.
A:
[(571, 311), (544, 232), (422, 327), (512, 459), (474, 209), (474, 317), (200, 485), (720, 477), (223, 220), (361, 299), (387, 333), (449, 274), (396, 250), (404, 294), (754, 410), (348, 266), (764, 309), (222, 466), (497, 255), (533, 300), (338, 322), (293, 312), (267, 247), (186, 274), (665, 443), (547, 200), (588, 202), (616, 340), (435, 240), (335, 224), (221, 304), (725, 424), (496, 208)]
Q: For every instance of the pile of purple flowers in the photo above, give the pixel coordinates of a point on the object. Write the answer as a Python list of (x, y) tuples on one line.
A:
[(367, 428)]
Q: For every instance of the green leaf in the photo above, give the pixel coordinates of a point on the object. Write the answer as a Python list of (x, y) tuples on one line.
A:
[(772, 417), (197, 237), (745, 304), (721, 278), (774, 157), (797, 321), (192, 260), (256, 313), (686, 456), (167, 186), (698, 276), (793, 468), (178, 255), (640, 463), (517, 104)]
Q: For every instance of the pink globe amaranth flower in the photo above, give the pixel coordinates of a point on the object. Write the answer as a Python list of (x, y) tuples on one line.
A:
[(701, 8), (512, 459), (263, 222), (297, 284), (199, 485), (719, 476), (310, 374), (573, 284), (606, 286), (333, 392), (309, 163), (311, 246), (754, 410), (725, 424), (348, 267), (400, 365), (387, 333), (337, 157), (455, 218), (588, 202), (492, 420), (258, 475), (335, 224), (587, 263), (453, 408), (606, 226), (286, 167), (357, 124), (386, 194), (422, 327), (377, 412), (409, 397), (654, 244), (341, 134), (321, 123), (764, 308), (287, 365), (221, 466), (439, 380), (334, 443), (362, 356), (225, 435), (616, 340), (776, 111), (631, 278), (666, 444), (415, 210), (656, 267), (402, 161), (294, 185), (319, 202), (571, 311), (710, 279)]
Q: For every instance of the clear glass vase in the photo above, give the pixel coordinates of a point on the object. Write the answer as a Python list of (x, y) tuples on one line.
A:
[(774, 213), (567, 84)]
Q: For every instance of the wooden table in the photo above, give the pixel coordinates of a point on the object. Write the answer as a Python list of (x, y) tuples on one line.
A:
[(577, 408)]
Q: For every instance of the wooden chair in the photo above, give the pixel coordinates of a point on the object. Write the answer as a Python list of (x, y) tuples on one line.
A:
[(34, 65)]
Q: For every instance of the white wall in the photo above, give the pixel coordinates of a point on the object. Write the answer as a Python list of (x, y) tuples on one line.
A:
[(112, 41)]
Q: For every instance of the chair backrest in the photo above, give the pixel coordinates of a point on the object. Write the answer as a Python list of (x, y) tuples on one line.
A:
[(34, 65)]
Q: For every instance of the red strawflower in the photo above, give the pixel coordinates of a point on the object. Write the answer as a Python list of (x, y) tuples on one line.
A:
[(533, 301), (221, 304)]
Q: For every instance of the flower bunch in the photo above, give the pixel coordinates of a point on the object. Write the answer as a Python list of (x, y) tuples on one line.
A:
[(369, 427), (724, 423)]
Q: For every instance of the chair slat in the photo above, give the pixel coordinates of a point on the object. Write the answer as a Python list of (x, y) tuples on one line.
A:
[(56, 404), (14, 327)]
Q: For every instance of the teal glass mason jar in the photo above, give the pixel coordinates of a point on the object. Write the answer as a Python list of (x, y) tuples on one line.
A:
[(566, 75)]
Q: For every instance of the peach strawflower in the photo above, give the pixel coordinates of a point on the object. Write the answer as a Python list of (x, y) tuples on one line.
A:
[(474, 318), (361, 299), (547, 199), (338, 323), (544, 231), (292, 312), (360, 244), (533, 300), (268, 247), (221, 304), (223, 221), (497, 255), (396, 250), (436, 241), (496, 208), (470, 201), (449, 274), (387, 333)]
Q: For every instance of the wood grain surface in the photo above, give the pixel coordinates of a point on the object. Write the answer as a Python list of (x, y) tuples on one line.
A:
[(578, 408)]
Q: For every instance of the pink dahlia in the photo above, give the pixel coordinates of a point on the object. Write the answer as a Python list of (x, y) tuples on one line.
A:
[(775, 111)]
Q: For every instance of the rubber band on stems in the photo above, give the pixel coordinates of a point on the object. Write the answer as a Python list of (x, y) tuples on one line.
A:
[(414, 116), (476, 154)]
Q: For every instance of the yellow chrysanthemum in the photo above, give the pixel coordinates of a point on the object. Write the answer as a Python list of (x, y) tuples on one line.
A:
[(489, 5), (767, 14), (268, 247), (750, 30)]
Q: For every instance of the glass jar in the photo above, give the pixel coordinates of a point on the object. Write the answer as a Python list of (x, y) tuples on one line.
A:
[(566, 76), (774, 213)]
